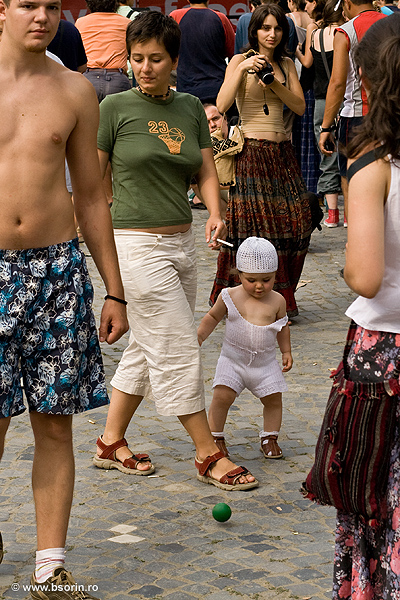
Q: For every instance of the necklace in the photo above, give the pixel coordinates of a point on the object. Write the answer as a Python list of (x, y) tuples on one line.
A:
[(154, 95)]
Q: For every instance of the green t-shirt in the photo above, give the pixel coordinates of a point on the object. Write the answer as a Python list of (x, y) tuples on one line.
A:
[(155, 150)]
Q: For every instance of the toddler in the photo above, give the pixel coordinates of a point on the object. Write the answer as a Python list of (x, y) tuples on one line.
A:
[(256, 318)]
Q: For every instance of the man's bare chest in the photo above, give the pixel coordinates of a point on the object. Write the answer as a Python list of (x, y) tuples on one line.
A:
[(34, 120)]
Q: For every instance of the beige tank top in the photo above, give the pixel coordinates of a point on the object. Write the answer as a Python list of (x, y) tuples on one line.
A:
[(250, 100)]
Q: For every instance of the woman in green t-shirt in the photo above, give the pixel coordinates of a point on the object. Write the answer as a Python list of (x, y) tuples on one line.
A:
[(157, 140)]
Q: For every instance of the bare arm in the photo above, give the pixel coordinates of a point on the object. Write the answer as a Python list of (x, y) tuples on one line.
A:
[(283, 338), (92, 210), (211, 320), (233, 77), (336, 87), (365, 257), (208, 183), (104, 158), (307, 58), (292, 94)]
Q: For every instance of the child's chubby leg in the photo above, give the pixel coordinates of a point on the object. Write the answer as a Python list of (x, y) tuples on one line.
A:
[(223, 398), (272, 420)]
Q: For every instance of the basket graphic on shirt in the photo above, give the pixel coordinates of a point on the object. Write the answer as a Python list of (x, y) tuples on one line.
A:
[(172, 137)]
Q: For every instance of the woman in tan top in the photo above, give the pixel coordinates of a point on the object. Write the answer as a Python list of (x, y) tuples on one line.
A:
[(269, 199)]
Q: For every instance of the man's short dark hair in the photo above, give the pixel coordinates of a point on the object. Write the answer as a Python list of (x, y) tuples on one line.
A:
[(110, 6), (154, 25), (360, 2)]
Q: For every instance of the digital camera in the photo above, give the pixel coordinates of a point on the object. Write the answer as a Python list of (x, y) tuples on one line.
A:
[(266, 74)]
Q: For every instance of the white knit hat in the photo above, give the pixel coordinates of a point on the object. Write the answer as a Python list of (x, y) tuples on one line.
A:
[(256, 255)]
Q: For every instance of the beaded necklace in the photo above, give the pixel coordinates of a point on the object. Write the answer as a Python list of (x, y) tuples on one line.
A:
[(154, 95)]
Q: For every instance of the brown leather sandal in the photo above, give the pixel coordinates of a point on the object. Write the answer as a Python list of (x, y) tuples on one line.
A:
[(220, 442), (108, 459), (270, 447), (229, 481)]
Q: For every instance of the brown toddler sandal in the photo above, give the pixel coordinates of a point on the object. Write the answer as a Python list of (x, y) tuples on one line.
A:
[(220, 442), (108, 459), (229, 481), (270, 447)]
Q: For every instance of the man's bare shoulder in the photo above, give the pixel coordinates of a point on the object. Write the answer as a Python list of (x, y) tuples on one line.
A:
[(74, 89), (73, 80)]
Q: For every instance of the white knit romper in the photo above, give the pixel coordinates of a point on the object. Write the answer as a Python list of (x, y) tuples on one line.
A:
[(248, 355)]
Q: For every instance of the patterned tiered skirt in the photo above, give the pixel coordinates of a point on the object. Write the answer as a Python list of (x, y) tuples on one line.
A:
[(269, 201)]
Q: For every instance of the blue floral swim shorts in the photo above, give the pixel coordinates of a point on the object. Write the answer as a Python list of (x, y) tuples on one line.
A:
[(48, 332)]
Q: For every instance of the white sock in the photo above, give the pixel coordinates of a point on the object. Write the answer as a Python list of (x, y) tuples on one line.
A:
[(218, 434), (265, 433), (48, 560)]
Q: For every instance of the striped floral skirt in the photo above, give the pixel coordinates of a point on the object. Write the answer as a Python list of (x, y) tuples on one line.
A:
[(367, 556), (269, 201)]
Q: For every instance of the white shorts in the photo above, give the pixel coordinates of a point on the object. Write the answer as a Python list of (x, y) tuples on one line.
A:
[(163, 356)]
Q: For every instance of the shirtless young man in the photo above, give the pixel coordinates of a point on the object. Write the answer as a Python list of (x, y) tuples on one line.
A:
[(49, 113)]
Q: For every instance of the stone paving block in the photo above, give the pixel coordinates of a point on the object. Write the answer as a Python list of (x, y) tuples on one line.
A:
[(180, 596), (147, 591), (220, 596), (306, 574), (279, 582), (198, 590), (198, 576), (307, 590)]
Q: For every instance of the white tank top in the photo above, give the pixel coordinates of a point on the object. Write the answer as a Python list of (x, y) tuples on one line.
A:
[(382, 313), (243, 335)]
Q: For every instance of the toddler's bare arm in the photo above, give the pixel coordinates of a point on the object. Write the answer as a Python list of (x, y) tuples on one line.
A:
[(283, 338), (211, 320)]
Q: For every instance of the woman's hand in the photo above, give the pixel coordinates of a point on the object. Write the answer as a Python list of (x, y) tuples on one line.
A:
[(267, 85), (215, 229), (254, 63)]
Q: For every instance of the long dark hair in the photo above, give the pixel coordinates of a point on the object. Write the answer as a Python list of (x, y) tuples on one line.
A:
[(330, 16), (378, 55), (256, 22), (318, 10)]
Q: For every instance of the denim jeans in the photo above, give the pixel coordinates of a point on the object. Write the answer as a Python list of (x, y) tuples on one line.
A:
[(107, 82)]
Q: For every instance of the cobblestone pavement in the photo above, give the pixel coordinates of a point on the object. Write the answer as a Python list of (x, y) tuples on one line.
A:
[(139, 537)]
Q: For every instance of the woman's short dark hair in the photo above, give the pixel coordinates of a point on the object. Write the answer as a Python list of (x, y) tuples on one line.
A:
[(256, 22), (378, 55), (154, 25), (110, 6)]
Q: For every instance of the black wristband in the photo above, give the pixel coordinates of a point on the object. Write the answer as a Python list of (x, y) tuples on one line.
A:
[(327, 129), (108, 297)]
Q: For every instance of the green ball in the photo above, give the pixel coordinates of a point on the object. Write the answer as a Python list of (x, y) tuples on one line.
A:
[(221, 512)]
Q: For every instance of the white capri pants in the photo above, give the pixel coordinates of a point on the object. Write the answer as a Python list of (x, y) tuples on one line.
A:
[(162, 360)]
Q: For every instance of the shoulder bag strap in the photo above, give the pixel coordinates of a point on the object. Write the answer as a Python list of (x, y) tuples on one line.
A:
[(323, 54)]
